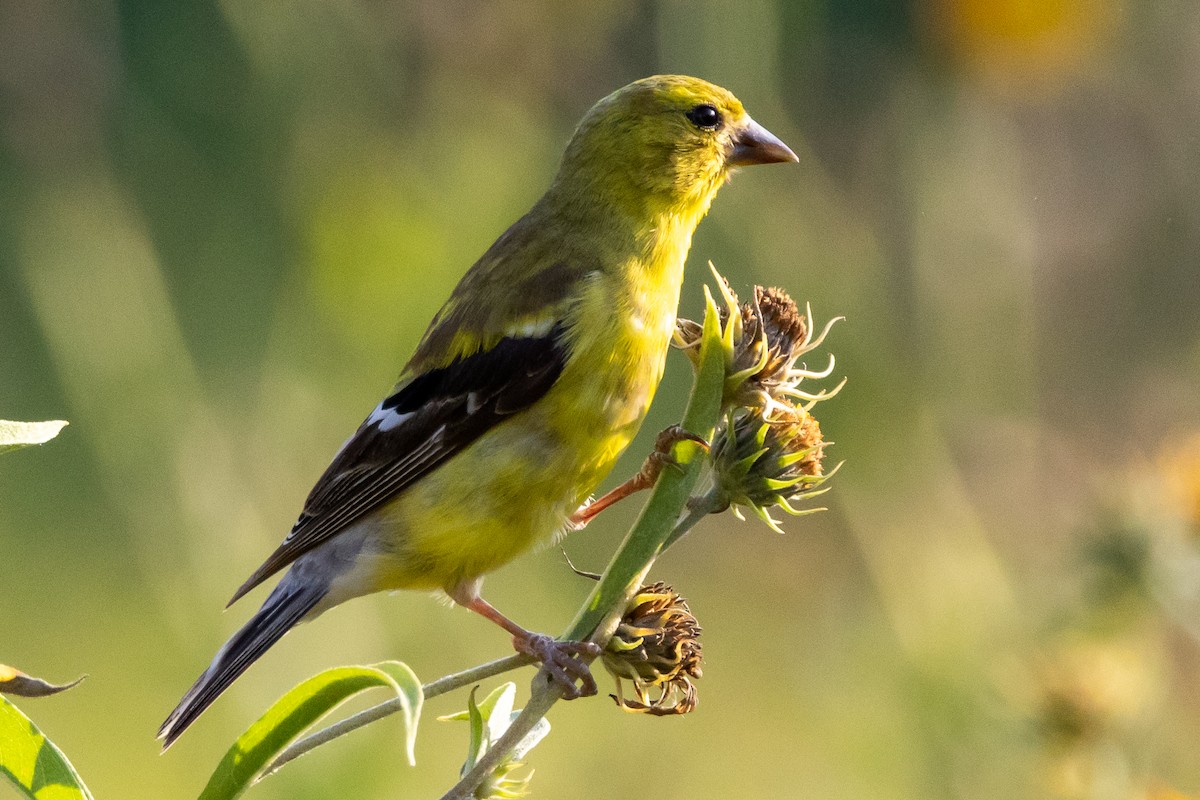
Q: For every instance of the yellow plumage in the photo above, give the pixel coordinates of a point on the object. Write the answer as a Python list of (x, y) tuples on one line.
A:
[(528, 385)]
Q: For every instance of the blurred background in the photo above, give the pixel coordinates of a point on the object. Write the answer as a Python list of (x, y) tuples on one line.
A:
[(224, 225)]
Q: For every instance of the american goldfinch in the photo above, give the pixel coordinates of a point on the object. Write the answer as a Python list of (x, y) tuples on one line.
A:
[(528, 384)]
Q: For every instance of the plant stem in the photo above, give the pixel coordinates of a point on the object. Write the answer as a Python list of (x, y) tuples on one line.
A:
[(546, 693), (662, 520), (699, 507), (657, 521), (442, 685)]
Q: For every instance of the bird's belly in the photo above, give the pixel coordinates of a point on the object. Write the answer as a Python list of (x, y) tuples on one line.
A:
[(518, 483)]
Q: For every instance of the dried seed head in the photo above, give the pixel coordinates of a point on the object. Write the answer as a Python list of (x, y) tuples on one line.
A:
[(763, 339), (657, 647), (775, 332), (767, 451), (783, 324)]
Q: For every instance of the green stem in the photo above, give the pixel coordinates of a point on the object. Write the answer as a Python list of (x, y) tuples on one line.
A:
[(659, 522), (699, 507), (546, 693)]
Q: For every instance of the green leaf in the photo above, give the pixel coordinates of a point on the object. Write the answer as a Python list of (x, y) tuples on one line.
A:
[(488, 721), (497, 710), (302, 707), (13, 681), (15, 435), (31, 761)]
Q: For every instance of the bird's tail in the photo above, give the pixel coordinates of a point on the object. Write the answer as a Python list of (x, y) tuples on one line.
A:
[(287, 605)]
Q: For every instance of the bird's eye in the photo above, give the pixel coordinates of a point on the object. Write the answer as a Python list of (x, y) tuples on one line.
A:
[(705, 117)]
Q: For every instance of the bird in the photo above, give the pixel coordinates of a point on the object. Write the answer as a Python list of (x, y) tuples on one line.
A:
[(527, 385)]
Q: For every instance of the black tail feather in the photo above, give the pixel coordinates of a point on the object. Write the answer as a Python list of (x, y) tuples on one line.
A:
[(286, 606)]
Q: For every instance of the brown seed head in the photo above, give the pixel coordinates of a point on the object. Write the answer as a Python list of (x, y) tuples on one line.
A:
[(763, 339), (657, 647)]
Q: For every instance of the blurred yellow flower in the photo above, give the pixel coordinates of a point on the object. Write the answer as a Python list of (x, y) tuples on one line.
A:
[(1165, 793), (1020, 44), (1090, 689), (1179, 467)]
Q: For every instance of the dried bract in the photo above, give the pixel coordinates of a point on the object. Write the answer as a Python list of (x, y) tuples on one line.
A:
[(657, 647)]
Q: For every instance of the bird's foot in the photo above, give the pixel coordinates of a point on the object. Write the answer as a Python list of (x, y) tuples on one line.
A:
[(661, 458), (564, 662), (658, 460)]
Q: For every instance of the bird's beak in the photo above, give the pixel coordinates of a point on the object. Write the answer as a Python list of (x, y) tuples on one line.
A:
[(754, 144)]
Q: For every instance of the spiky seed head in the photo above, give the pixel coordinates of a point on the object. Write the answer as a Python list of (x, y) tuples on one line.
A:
[(762, 340), (764, 461)]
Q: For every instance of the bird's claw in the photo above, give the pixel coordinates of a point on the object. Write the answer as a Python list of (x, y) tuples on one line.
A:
[(563, 662), (661, 456), (668, 437)]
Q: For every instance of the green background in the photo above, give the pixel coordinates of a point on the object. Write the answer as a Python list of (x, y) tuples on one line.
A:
[(223, 227)]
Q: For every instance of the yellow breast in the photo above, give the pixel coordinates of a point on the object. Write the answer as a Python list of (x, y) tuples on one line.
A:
[(517, 484)]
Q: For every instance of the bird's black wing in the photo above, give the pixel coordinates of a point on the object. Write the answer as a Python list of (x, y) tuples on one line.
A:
[(426, 421)]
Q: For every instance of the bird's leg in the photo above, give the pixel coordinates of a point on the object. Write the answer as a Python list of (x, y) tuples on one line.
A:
[(652, 467), (562, 659)]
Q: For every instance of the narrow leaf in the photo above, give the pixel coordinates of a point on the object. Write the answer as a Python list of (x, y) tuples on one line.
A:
[(488, 719), (302, 707), (477, 744), (15, 435), (411, 696), (13, 681), (32, 763)]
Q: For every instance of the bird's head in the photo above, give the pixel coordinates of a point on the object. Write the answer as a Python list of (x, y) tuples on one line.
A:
[(664, 144)]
